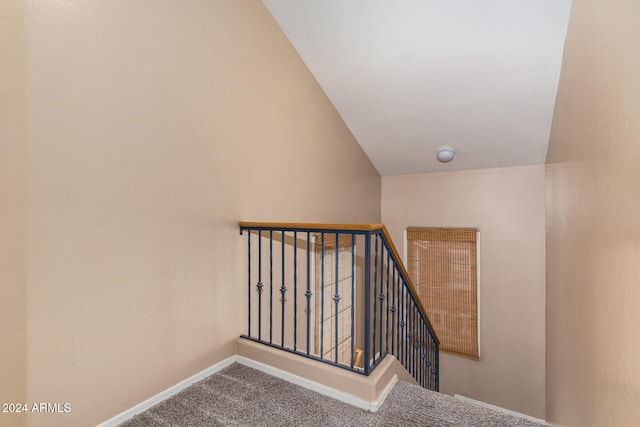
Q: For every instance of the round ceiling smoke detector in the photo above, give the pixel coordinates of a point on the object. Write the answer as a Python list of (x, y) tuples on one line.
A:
[(446, 154)]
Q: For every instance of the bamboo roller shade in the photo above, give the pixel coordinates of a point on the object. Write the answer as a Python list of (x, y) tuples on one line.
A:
[(442, 263)]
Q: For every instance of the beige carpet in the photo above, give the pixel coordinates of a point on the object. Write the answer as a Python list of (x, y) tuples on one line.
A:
[(241, 396)]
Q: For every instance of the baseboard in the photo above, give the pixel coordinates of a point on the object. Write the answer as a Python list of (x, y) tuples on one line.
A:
[(317, 387), (303, 382), (497, 408), (147, 404), (383, 396)]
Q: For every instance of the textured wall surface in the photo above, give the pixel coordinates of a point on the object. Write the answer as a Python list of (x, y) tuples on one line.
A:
[(13, 210), (155, 126), (507, 206), (593, 221)]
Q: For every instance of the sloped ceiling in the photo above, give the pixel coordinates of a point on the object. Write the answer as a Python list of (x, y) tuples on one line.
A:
[(411, 76)]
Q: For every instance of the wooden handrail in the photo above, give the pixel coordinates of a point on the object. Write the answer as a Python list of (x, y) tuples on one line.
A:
[(313, 226), (410, 285), (352, 227)]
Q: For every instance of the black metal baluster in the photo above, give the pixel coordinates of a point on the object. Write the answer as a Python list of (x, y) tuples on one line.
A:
[(417, 347), (295, 291), (400, 321), (436, 364), (422, 354), (322, 302), (308, 293), (409, 336), (260, 285), (407, 332), (413, 337), (405, 319), (432, 378), (283, 291), (394, 291), (416, 344), (430, 363), (270, 286), (353, 296), (367, 302), (411, 358), (416, 337), (375, 295), (424, 348), (398, 316), (336, 296), (386, 340), (381, 295), (249, 283), (432, 353)]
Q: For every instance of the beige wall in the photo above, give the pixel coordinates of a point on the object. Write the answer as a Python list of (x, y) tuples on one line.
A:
[(507, 205), (155, 126), (13, 209), (593, 221)]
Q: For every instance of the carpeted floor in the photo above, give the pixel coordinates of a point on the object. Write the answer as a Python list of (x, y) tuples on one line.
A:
[(242, 396)]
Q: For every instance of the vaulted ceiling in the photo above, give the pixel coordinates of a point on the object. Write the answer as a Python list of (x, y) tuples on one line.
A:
[(411, 76)]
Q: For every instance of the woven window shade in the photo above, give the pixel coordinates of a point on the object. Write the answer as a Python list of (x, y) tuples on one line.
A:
[(442, 262)]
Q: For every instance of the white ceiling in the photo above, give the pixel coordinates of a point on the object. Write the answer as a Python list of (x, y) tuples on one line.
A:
[(411, 76)]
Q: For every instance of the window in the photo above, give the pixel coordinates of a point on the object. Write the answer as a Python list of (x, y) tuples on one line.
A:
[(442, 263)]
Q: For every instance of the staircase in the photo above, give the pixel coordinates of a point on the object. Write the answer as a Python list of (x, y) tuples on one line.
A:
[(325, 296), (242, 396), (336, 294)]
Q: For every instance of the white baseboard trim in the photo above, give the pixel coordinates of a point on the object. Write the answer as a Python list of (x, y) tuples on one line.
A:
[(497, 408), (319, 388), (295, 379), (152, 401), (383, 396)]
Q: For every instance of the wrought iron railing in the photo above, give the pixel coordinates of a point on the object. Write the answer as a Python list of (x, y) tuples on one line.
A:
[(338, 294)]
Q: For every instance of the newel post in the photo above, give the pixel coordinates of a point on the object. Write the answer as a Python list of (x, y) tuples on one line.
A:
[(367, 303)]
